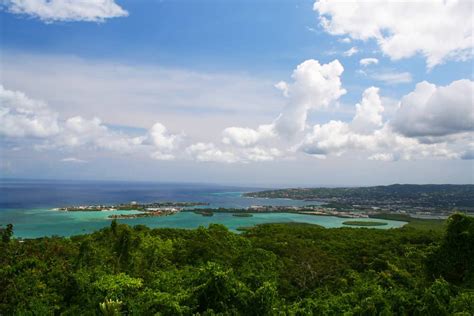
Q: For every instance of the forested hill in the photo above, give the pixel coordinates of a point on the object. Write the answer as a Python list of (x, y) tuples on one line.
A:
[(427, 195), (284, 269)]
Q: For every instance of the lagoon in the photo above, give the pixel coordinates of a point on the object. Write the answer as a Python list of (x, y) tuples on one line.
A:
[(29, 207), (44, 222)]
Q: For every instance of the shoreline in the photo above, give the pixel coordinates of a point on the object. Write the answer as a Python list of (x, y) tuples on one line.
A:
[(194, 222)]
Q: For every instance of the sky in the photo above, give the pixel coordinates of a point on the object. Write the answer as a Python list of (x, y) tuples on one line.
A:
[(267, 93)]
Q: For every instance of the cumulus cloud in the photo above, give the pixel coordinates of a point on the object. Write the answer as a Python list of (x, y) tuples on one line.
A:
[(368, 115), (391, 23), (243, 136), (21, 116), (436, 111), (337, 138), (78, 132), (67, 10), (163, 141), (334, 137), (314, 86), (369, 136), (261, 154), (430, 122), (208, 152), (368, 61)]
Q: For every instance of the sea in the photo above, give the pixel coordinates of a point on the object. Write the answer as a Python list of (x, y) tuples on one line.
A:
[(30, 206)]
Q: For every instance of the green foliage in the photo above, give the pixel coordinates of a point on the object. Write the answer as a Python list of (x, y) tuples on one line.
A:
[(6, 233), (415, 223), (454, 259), (364, 223), (274, 269), (110, 308), (117, 286)]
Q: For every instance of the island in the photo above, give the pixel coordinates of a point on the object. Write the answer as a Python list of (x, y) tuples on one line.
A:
[(306, 209), (205, 212), (363, 223), (413, 201), (145, 214), (146, 209), (131, 206)]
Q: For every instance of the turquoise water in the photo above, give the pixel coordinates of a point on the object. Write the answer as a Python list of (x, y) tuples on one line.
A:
[(43, 222), (28, 206)]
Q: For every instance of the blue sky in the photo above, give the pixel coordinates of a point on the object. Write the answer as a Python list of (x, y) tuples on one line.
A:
[(198, 68)]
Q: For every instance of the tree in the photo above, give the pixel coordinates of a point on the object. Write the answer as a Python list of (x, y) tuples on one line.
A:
[(454, 258), (7, 233), (110, 307)]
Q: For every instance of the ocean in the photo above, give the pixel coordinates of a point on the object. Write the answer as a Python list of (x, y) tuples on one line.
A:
[(29, 204)]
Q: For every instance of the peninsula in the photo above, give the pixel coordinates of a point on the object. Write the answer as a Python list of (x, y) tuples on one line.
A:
[(418, 200), (144, 209), (132, 206)]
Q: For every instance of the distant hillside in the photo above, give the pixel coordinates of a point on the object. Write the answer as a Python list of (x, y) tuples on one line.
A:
[(427, 195)]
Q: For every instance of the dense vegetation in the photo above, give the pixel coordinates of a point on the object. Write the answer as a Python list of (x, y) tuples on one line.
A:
[(284, 269), (442, 196), (413, 222), (364, 223)]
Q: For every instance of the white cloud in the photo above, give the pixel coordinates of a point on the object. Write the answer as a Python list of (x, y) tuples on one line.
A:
[(208, 152), (367, 136), (334, 137), (368, 61), (436, 111), (345, 40), (243, 136), (67, 10), (260, 154), (404, 28), (78, 132), (161, 138), (314, 86), (164, 142), (74, 160), (136, 95), (368, 112), (337, 138), (431, 122), (351, 51), (21, 116), (393, 77)]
